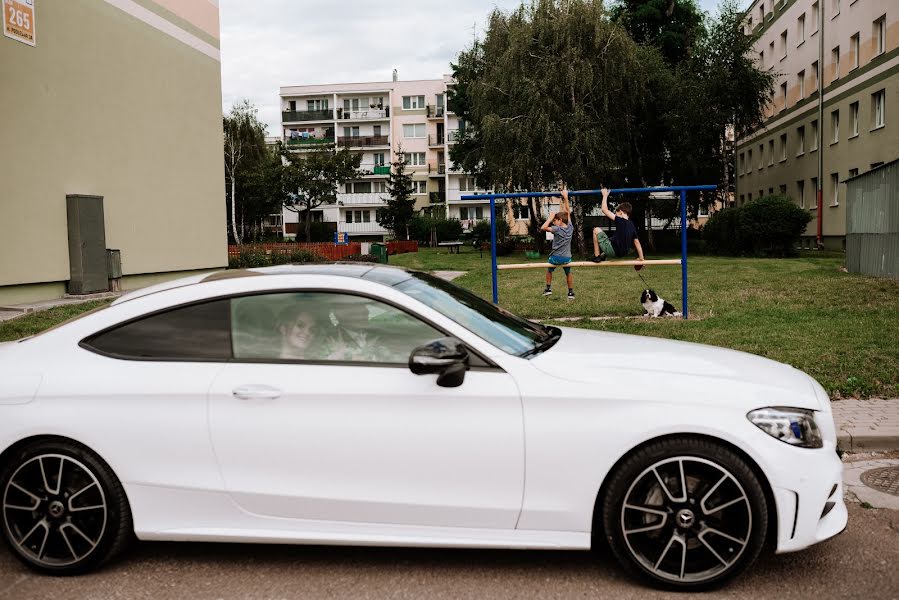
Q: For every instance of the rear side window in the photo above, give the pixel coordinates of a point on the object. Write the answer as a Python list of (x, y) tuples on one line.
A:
[(195, 332)]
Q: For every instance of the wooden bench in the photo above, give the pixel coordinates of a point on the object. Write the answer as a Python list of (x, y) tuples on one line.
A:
[(452, 246)]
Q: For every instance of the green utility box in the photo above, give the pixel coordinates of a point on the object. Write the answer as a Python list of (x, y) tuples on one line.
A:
[(380, 250)]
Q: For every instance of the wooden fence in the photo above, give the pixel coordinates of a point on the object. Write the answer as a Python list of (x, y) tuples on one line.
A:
[(327, 250), (402, 247)]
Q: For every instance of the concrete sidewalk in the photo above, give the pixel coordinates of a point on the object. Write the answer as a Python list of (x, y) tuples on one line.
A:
[(864, 425), (17, 310)]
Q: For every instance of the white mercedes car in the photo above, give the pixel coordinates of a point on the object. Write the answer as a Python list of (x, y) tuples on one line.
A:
[(369, 405)]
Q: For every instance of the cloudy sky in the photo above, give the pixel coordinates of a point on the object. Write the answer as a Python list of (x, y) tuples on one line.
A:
[(270, 43)]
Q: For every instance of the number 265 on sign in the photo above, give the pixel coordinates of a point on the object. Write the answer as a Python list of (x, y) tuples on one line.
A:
[(18, 20)]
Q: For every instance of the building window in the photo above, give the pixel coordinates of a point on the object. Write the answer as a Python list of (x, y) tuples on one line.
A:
[(521, 212), (878, 108), (317, 104), (800, 81), (741, 166), (770, 191), (466, 184), (762, 59), (835, 183), (742, 199), (783, 189), (783, 93), (783, 44), (800, 192), (350, 132), (762, 12), (749, 198), (770, 152), (749, 161), (413, 102), (853, 118), (835, 127), (814, 145), (292, 105), (879, 35), (771, 53), (835, 59), (815, 17), (853, 172), (800, 135), (783, 147), (419, 187), (414, 130), (379, 187), (814, 203), (761, 193), (853, 51), (376, 130), (836, 8), (876, 164), (800, 30), (815, 73), (761, 156), (415, 159), (379, 159)]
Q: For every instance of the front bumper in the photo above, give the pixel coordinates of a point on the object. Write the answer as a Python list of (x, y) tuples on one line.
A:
[(808, 491)]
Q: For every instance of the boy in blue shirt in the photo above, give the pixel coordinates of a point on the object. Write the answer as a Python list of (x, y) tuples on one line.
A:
[(560, 255), (624, 237)]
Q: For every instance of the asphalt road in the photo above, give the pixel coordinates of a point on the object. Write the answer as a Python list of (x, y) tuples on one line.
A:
[(861, 563)]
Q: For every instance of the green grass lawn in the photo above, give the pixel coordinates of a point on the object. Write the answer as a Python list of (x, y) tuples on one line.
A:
[(843, 329)]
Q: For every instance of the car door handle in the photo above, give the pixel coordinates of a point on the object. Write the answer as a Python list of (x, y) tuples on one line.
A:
[(256, 392)]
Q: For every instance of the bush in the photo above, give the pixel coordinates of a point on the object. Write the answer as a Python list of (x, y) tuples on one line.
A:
[(360, 258), (769, 226), (249, 259), (448, 230)]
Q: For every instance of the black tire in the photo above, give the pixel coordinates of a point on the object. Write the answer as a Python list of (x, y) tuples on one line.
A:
[(62, 510), (691, 539)]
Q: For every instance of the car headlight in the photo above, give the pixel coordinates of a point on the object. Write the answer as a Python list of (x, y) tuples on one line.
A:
[(794, 426)]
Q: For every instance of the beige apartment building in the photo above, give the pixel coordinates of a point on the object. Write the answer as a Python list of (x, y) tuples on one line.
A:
[(853, 46), (376, 119), (112, 139)]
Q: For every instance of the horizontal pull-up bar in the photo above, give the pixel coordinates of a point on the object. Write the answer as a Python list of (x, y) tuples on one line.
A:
[(617, 263), (644, 190), (679, 189)]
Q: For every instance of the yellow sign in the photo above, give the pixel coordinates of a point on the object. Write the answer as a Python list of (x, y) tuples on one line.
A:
[(18, 20)]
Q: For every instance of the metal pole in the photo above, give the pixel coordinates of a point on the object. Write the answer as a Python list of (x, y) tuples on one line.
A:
[(683, 250), (493, 247)]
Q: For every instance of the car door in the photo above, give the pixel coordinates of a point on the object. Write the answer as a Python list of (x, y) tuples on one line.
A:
[(319, 417)]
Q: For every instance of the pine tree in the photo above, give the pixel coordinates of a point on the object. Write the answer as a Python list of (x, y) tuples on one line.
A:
[(401, 205)]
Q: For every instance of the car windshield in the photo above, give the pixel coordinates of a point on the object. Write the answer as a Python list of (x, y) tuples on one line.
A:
[(501, 328)]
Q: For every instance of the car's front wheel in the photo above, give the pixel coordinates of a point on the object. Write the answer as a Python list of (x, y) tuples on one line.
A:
[(64, 512), (685, 513)]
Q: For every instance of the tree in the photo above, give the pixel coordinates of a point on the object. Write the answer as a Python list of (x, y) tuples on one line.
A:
[(672, 26), (311, 179), (401, 206), (551, 93), (244, 144)]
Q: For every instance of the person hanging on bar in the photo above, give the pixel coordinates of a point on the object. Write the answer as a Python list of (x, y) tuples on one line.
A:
[(624, 237), (562, 231)]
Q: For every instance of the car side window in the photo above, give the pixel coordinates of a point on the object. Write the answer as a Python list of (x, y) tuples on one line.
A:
[(324, 326), (193, 332)]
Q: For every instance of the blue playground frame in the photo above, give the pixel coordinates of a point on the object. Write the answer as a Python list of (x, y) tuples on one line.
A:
[(683, 189)]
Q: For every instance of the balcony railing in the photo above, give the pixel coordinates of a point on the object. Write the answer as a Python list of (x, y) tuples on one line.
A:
[(363, 114), (435, 112), (381, 170), (307, 115), (435, 139), (302, 142), (363, 141), (361, 228), (377, 199), (436, 168)]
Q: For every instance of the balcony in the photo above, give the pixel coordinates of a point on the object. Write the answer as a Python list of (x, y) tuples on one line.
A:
[(361, 228), (289, 116), (381, 170), (437, 197), (373, 199), (301, 143), (364, 114), (363, 141), (373, 169), (453, 135), (436, 168), (435, 112), (435, 139)]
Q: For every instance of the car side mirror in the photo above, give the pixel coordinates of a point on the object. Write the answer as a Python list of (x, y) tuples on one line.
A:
[(447, 357)]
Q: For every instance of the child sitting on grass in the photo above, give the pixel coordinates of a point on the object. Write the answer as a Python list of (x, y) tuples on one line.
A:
[(624, 237)]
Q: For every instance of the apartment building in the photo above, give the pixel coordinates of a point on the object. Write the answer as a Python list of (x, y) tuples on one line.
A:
[(113, 140), (377, 120), (810, 140)]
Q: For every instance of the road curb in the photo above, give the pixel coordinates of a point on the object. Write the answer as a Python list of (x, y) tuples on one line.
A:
[(867, 442)]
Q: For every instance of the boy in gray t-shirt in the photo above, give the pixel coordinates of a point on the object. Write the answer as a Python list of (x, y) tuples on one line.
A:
[(560, 255)]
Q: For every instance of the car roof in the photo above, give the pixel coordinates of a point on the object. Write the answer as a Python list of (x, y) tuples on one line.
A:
[(385, 275)]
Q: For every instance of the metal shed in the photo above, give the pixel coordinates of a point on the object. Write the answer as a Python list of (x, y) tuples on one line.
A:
[(872, 222)]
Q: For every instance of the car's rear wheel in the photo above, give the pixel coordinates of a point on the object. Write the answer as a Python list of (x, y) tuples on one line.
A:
[(685, 513), (63, 510)]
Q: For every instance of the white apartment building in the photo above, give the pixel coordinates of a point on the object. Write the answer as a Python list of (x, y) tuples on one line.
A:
[(377, 119), (811, 140)]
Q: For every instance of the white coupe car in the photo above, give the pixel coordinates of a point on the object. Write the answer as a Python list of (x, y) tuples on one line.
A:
[(369, 405)]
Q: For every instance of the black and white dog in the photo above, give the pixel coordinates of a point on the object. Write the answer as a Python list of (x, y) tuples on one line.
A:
[(655, 306)]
